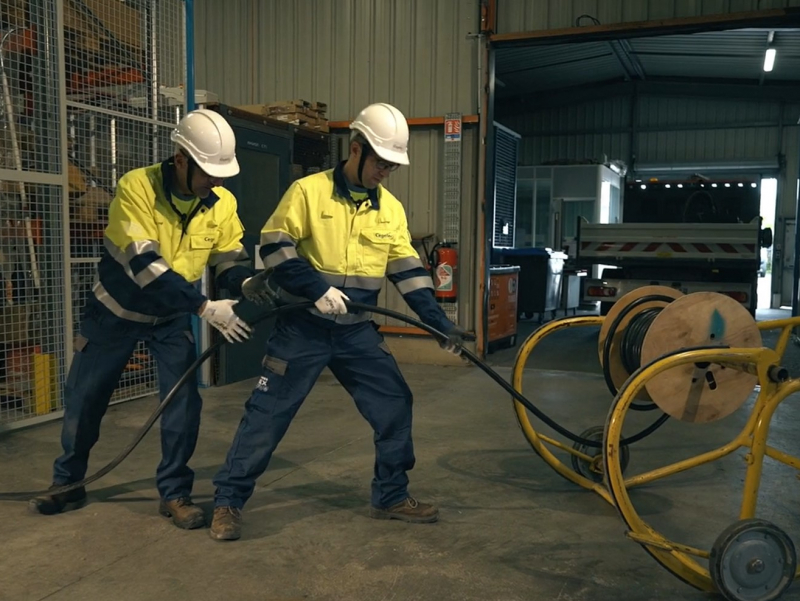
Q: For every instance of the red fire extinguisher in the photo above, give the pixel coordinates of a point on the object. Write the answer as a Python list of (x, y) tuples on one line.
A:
[(444, 268)]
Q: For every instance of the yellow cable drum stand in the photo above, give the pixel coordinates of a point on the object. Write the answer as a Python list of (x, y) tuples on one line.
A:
[(696, 358)]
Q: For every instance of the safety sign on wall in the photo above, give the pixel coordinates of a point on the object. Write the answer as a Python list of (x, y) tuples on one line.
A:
[(452, 130)]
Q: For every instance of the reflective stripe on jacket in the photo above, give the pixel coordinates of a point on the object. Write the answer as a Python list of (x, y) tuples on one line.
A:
[(317, 237), (158, 245)]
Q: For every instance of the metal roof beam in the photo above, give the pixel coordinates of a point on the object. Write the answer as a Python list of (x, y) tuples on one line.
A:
[(775, 18), (631, 55), (770, 38), (622, 63)]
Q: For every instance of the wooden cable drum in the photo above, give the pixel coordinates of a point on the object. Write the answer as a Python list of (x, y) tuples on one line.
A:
[(654, 321), (700, 392)]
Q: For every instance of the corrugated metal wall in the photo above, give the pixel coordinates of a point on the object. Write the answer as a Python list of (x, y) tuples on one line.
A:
[(348, 53), (673, 129), (414, 54), (665, 129), (532, 15), (585, 130)]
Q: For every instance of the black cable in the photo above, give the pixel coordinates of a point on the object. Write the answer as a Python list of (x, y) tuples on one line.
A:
[(586, 16), (273, 311), (150, 421), (546, 419), (633, 339), (610, 339), (647, 431)]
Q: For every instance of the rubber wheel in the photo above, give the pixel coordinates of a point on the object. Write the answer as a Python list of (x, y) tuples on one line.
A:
[(582, 467), (752, 560)]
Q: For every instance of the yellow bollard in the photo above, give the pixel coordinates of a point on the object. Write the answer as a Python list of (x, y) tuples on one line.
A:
[(44, 390)]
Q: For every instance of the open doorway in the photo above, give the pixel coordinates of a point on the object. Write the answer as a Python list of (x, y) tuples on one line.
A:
[(689, 106), (769, 197)]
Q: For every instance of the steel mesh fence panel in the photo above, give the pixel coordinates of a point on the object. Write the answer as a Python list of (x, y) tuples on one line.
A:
[(107, 100), (123, 99), (32, 283), (32, 355)]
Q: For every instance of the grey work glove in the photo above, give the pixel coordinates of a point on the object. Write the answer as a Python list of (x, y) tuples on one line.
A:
[(456, 336), (255, 288)]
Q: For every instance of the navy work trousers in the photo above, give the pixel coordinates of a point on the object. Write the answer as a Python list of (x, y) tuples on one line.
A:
[(101, 353), (298, 349)]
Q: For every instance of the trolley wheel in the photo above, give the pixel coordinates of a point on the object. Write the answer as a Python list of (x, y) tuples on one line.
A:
[(594, 470), (752, 560)]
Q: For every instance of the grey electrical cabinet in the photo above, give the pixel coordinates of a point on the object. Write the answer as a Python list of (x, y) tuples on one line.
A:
[(264, 155), (271, 156)]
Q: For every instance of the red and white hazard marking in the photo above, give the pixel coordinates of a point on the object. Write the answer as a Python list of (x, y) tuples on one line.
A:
[(687, 249)]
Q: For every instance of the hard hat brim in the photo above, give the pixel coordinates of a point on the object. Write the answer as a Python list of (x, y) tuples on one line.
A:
[(223, 171), (401, 158)]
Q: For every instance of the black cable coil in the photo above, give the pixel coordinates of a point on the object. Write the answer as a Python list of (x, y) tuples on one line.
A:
[(630, 351), (633, 339)]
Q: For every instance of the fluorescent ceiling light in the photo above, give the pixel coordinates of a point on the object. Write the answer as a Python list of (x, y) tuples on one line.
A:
[(769, 59)]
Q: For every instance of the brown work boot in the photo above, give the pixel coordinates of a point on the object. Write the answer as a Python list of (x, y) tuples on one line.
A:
[(409, 510), (183, 512), (226, 524), (52, 504)]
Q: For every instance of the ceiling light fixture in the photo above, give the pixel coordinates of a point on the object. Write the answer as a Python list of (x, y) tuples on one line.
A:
[(769, 59)]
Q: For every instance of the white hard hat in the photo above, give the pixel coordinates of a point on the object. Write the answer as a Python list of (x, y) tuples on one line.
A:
[(208, 138), (386, 130)]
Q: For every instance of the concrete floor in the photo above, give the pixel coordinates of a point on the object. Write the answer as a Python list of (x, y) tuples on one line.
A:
[(510, 527)]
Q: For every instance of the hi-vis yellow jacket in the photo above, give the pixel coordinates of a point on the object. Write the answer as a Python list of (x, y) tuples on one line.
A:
[(158, 244), (319, 237)]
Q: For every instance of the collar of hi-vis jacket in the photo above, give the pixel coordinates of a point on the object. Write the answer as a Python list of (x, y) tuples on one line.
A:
[(168, 176), (340, 187)]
